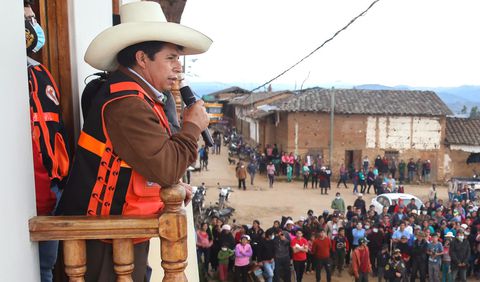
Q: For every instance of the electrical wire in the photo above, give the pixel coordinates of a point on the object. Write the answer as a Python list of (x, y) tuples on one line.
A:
[(316, 49)]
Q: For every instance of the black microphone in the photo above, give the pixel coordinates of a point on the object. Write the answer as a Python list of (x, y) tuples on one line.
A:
[(189, 99)]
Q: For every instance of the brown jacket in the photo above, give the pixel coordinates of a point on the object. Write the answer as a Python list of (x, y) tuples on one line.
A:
[(140, 140), (241, 171), (361, 260)]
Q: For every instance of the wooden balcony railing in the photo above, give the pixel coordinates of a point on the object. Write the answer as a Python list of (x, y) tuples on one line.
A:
[(170, 226)]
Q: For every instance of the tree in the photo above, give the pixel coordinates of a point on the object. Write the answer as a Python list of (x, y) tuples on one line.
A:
[(474, 113), (464, 110)]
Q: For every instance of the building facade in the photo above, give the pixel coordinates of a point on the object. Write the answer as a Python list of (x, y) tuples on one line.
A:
[(398, 124), (462, 153)]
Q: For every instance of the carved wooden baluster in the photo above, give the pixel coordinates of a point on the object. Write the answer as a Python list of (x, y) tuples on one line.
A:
[(173, 234), (123, 257), (75, 257)]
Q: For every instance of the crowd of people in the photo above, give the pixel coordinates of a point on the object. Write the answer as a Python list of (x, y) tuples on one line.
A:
[(439, 241), (383, 174)]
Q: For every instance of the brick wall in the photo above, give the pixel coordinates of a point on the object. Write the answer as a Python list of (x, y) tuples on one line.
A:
[(456, 164), (350, 134)]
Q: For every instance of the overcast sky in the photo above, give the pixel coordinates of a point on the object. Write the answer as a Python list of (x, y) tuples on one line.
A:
[(398, 42)]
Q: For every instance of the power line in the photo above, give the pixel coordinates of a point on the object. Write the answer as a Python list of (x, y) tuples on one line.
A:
[(316, 49)]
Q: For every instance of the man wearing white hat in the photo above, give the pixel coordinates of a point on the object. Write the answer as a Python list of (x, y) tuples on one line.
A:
[(126, 151)]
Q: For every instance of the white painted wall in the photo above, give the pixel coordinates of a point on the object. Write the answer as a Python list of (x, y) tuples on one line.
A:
[(466, 148), (426, 133), (87, 18), (371, 132), (399, 132), (18, 256)]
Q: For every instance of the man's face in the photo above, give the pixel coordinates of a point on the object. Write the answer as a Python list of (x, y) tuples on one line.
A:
[(162, 71)]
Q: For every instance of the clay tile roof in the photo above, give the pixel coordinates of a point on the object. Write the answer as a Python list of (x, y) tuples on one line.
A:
[(225, 94), (251, 98), (374, 102), (463, 131)]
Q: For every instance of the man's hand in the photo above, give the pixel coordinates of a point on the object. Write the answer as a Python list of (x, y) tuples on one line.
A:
[(197, 114), (188, 193)]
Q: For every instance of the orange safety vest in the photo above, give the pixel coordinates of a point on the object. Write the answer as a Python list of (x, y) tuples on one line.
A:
[(50, 154), (101, 183)]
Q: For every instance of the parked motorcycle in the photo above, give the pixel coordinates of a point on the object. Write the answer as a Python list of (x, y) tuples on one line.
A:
[(222, 214), (199, 194), (223, 196)]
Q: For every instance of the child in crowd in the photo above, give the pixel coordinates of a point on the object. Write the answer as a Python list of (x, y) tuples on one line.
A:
[(223, 257)]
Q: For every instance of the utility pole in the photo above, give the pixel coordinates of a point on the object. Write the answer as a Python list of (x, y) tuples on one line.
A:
[(332, 114)]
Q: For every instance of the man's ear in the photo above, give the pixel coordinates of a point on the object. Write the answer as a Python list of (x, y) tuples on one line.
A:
[(141, 59)]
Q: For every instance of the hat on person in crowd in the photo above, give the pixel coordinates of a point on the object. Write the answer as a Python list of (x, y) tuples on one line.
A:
[(396, 251), (421, 234), (414, 212), (455, 211), (417, 227), (226, 227), (326, 211), (142, 21), (464, 226), (302, 219), (360, 195), (404, 237), (245, 237), (362, 240), (289, 222), (455, 200), (449, 235)]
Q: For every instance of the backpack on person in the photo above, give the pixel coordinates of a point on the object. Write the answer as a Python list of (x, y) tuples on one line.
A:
[(91, 89)]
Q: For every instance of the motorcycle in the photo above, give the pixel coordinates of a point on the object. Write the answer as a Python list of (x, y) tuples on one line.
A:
[(199, 194), (222, 214), (223, 196)]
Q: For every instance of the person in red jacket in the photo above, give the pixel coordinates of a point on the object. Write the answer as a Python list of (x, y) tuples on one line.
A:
[(361, 261), (300, 248), (321, 252)]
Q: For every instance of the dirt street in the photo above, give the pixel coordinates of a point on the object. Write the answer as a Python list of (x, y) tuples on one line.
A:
[(288, 199)]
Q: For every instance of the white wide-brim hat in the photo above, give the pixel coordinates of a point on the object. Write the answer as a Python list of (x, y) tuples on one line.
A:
[(142, 21)]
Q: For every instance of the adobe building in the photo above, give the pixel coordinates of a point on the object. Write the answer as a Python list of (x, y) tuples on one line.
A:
[(401, 124), (462, 152), (224, 97), (246, 105)]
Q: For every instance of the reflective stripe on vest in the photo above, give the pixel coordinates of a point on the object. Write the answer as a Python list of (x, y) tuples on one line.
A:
[(46, 116), (94, 146)]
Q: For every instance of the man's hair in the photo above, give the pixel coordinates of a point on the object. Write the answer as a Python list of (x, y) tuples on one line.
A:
[(28, 3), (126, 57)]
